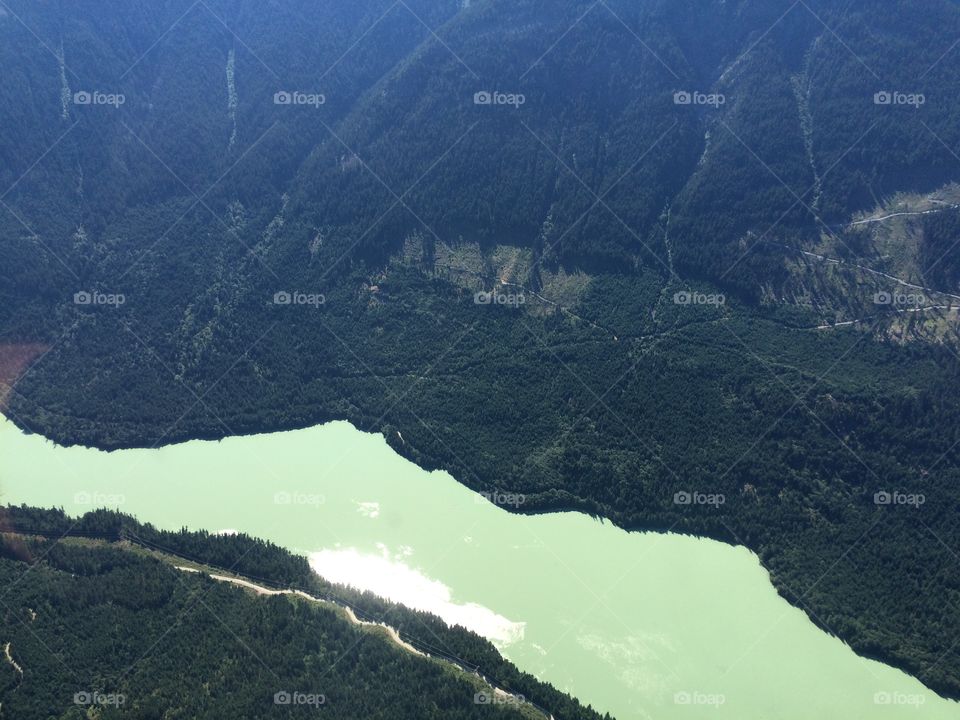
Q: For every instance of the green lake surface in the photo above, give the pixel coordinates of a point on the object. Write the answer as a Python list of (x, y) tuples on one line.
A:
[(641, 625)]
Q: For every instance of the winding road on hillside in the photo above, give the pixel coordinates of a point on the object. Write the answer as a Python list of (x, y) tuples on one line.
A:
[(502, 695)]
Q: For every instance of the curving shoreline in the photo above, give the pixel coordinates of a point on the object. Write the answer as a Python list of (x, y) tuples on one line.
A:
[(667, 616)]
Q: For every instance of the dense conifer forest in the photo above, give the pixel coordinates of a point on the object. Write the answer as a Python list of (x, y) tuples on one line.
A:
[(313, 213), (94, 618)]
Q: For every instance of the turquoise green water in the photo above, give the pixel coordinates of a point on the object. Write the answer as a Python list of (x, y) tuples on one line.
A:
[(638, 625)]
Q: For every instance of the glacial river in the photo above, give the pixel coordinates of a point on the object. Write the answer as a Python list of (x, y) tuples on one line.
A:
[(638, 625)]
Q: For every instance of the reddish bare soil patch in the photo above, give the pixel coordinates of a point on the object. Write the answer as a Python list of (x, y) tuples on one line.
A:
[(15, 359)]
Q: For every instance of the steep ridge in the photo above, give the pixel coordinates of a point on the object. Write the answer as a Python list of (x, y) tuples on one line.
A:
[(327, 260), (202, 647)]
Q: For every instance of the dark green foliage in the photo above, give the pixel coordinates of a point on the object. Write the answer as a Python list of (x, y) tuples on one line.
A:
[(797, 428), (266, 565), (111, 620), (941, 259)]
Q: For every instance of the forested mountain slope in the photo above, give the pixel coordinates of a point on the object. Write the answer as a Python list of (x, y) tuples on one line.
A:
[(289, 217), (96, 623)]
